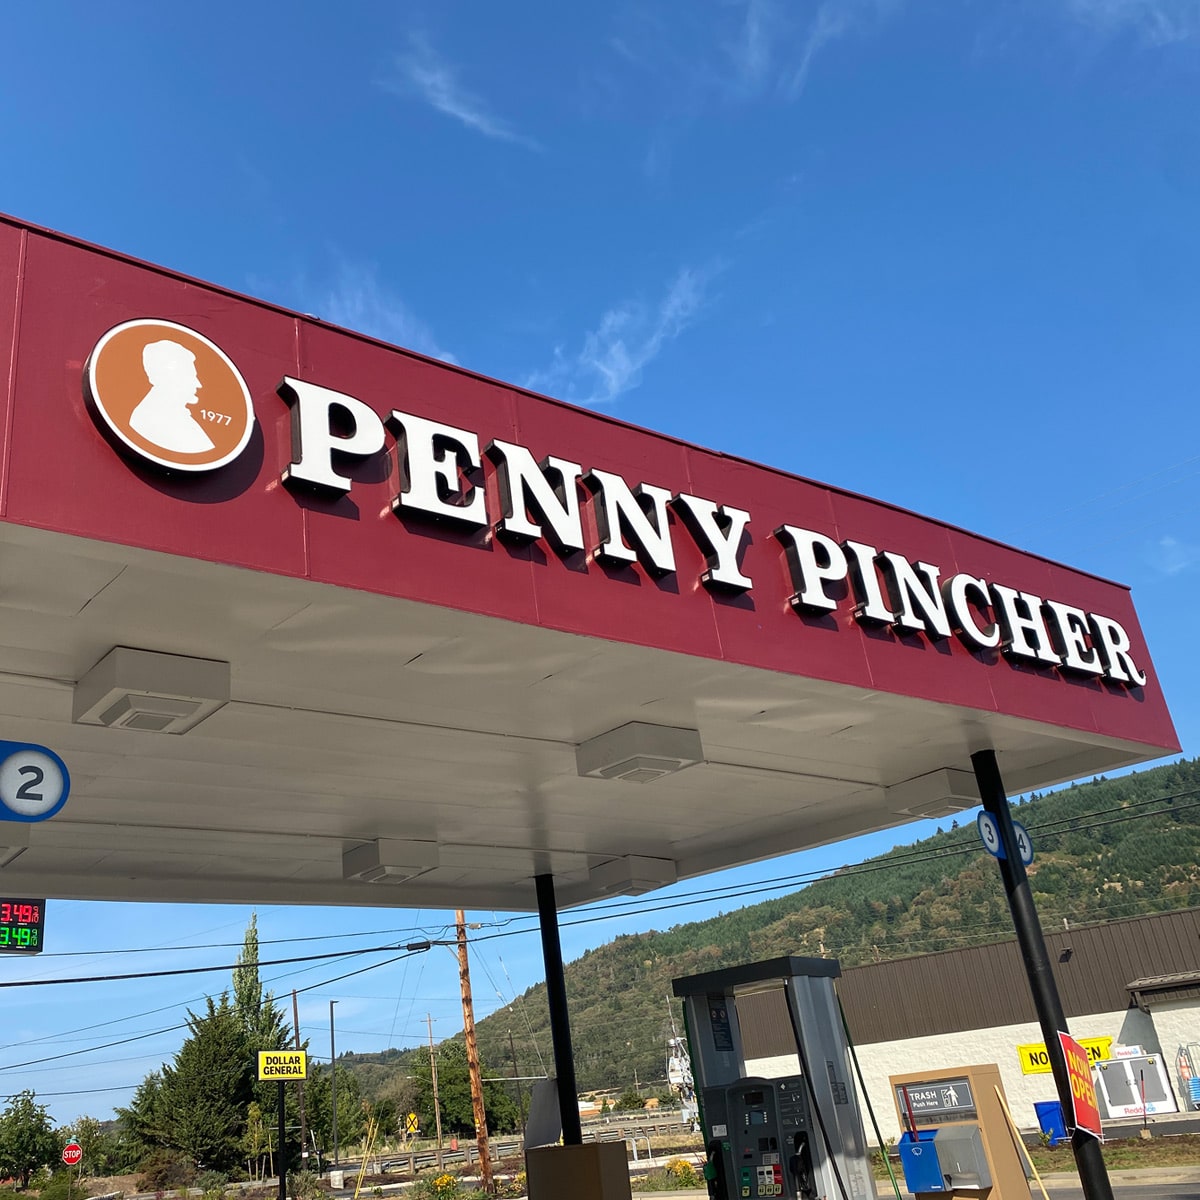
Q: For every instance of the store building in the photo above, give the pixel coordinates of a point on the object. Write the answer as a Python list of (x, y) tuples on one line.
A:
[(1124, 985)]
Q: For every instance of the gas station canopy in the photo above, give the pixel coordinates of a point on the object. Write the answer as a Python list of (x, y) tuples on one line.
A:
[(312, 619)]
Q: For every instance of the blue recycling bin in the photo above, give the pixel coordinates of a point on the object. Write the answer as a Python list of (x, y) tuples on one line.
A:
[(1050, 1120)]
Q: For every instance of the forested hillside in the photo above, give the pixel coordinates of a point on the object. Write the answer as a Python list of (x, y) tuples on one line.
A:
[(1104, 849)]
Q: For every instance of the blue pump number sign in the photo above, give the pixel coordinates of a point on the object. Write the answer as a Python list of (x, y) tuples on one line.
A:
[(989, 834), (34, 782)]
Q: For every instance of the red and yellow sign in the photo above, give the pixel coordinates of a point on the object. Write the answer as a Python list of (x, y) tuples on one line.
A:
[(1035, 1059), (1083, 1092)]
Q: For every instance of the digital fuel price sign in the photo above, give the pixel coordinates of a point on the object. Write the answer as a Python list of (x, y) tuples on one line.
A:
[(21, 925)]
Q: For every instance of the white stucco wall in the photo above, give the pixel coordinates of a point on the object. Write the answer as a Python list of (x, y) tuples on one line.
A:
[(1159, 1033), (1162, 1031)]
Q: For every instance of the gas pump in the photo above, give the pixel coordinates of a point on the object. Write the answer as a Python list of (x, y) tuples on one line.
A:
[(778, 1108)]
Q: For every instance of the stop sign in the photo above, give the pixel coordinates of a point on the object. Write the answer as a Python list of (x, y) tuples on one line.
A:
[(72, 1154)]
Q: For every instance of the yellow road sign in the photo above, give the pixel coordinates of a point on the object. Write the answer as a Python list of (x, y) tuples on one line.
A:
[(411, 1125), (282, 1064)]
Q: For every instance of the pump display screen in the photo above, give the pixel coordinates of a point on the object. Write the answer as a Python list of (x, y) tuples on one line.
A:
[(21, 925)]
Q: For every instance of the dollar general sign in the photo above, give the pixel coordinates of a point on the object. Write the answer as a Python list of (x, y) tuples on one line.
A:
[(282, 1064)]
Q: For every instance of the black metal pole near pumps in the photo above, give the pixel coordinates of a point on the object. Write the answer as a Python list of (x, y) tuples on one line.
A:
[(560, 1021), (1088, 1159)]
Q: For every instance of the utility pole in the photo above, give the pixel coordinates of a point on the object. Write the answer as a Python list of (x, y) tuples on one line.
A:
[(333, 1083), (437, 1104), (477, 1109), (517, 1076), (300, 1088)]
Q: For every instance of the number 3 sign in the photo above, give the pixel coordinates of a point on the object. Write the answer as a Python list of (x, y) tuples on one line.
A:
[(34, 782)]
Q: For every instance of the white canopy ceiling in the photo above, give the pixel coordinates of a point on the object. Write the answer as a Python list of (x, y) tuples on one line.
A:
[(355, 717)]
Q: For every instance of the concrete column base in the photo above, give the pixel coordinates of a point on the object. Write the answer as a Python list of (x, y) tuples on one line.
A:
[(596, 1171)]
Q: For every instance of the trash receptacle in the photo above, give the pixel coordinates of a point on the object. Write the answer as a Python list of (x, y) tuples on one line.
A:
[(1050, 1120), (919, 1162)]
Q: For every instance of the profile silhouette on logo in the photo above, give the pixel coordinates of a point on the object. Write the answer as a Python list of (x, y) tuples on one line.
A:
[(163, 416), (168, 425)]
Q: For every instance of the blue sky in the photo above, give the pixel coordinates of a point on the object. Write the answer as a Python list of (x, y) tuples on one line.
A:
[(944, 253)]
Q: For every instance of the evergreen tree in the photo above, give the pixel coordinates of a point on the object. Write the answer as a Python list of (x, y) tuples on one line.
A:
[(142, 1121), (454, 1094), (28, 1141), (262, 1021), (207, 1091), (319, 1110)]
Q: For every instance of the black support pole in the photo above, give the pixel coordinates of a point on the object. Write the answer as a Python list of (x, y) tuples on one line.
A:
[(280, 1159), (1088, 1159), (560, 1025)]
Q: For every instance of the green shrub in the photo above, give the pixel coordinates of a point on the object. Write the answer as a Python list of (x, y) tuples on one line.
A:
[(677, 1176), (63, 1185), (304, 1185), (212, 1184), (683, 1173), (437, 1187), (165, 1171), (516, 1187)]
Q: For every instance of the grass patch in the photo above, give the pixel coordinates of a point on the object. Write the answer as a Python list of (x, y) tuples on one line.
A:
[(1128, 1154)]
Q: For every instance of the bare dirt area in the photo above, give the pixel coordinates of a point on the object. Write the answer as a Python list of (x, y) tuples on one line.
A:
[(106, 1185)]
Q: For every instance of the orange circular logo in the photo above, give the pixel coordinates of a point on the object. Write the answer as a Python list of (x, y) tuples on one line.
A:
[(169, 395)]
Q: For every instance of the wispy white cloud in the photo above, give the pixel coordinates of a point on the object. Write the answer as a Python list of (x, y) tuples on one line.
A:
[(752, 51), (762, 49), (626, 340), (833, 20), (425, 74), (357, 300), (1173, 557), (1153, 22)]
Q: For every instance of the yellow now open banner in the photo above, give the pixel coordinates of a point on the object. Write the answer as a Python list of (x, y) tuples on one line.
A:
[(1035, 1060)]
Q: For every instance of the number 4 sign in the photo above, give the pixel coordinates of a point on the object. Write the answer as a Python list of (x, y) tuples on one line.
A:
[(34, 782)]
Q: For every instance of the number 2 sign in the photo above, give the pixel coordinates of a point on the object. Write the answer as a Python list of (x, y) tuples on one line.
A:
[(34, 782)]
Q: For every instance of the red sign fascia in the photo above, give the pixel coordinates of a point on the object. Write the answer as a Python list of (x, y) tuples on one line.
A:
[(58, 471), (1084, 1104)]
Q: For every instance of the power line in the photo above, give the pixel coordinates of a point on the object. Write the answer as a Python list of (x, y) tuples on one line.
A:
[(414, 947), (440, 930)]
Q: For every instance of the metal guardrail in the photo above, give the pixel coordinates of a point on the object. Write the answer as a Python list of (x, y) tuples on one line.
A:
[(419, 1160), (632, 1129)]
